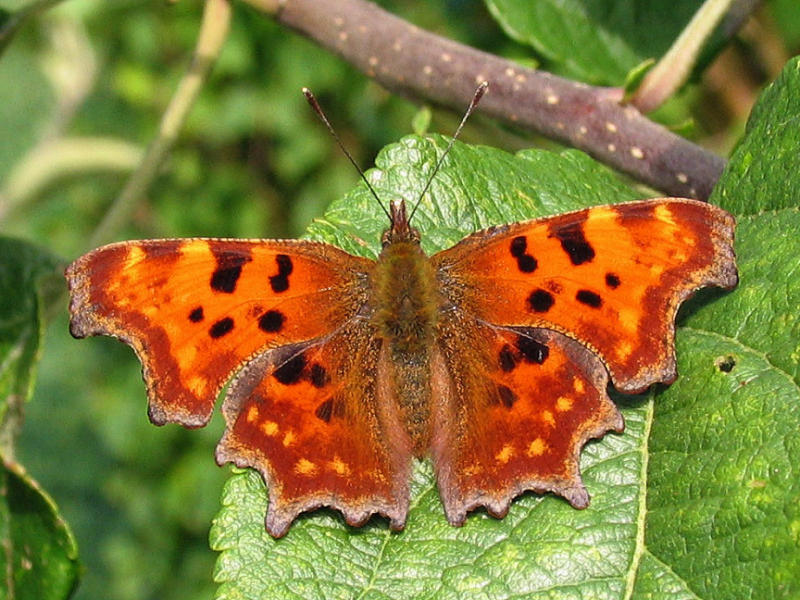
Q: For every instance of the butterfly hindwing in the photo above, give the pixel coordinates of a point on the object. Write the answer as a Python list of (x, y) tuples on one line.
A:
[(309, 418), (517, 419)]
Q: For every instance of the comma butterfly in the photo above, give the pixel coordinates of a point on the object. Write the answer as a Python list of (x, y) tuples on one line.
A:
[(492, 357)]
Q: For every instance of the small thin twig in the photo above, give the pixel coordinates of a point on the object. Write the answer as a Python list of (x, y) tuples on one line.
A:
[(674, 68), (213, 32)]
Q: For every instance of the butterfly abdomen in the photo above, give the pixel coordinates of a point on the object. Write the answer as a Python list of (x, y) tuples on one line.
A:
[(406, 301)]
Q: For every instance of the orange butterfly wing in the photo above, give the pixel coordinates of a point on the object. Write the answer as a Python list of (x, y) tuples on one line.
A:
[(611, 277), (604, 285), (301, 412), (309, 418)]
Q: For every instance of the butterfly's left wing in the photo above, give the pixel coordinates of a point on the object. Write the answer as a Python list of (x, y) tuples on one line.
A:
[(195, 310), (558, 305), (306, 408)]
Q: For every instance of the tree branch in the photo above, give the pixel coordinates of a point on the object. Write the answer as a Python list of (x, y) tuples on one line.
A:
[(413, 62)]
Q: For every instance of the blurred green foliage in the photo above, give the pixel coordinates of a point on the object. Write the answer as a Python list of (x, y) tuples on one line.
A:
[(252, 161)]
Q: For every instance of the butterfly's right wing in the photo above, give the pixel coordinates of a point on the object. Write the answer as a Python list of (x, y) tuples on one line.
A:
[(539, 315)]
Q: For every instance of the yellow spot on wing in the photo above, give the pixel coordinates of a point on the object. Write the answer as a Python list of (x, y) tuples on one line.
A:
[(186, 354), (135, 256), (537, 447), (305, 467), (269, 428), (339, 466), (472, 469), (548, 418), (252, 414), (197, 385), (663, 213), (601, 213), (194, 247), (505, 454), (563, 404), (288, 438), (578, 385), (629, 319), (624, 349)]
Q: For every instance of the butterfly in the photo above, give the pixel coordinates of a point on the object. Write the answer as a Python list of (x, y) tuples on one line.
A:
[(492, 357)]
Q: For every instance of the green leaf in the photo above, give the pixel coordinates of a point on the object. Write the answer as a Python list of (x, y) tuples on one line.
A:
[(24, 271), (597, 42), (543, 548), (39, 560), (723, 494), (39, 557), (762, 173)]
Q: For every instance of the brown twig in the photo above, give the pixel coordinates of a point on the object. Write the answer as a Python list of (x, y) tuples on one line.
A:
[(414, 62)]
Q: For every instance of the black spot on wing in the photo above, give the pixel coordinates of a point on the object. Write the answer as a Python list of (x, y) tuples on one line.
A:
[(532, 351), (271, 321), (612, 280), (319, 376), (507, 359), (221, 327), (196, 315), (540, 301), (525, 262), (280, 282), (324, 411), (507, 396), (589, 298), (229, 268), (574, 243), (291, 371)]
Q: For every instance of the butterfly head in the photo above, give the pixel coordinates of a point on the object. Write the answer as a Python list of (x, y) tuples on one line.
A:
[(400, 229)]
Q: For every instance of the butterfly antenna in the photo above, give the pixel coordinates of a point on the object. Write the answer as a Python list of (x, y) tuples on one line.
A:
[(318, 109), (479, 92)]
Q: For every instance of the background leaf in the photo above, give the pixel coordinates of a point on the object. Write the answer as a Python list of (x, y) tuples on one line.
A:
[(39, 557), (595, 41), (23, 271), (699, 498), (762, 174), (723, 498)]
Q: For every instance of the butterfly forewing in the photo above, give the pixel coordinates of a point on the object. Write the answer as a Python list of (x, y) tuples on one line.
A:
[(611, 277), (195, 310)]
